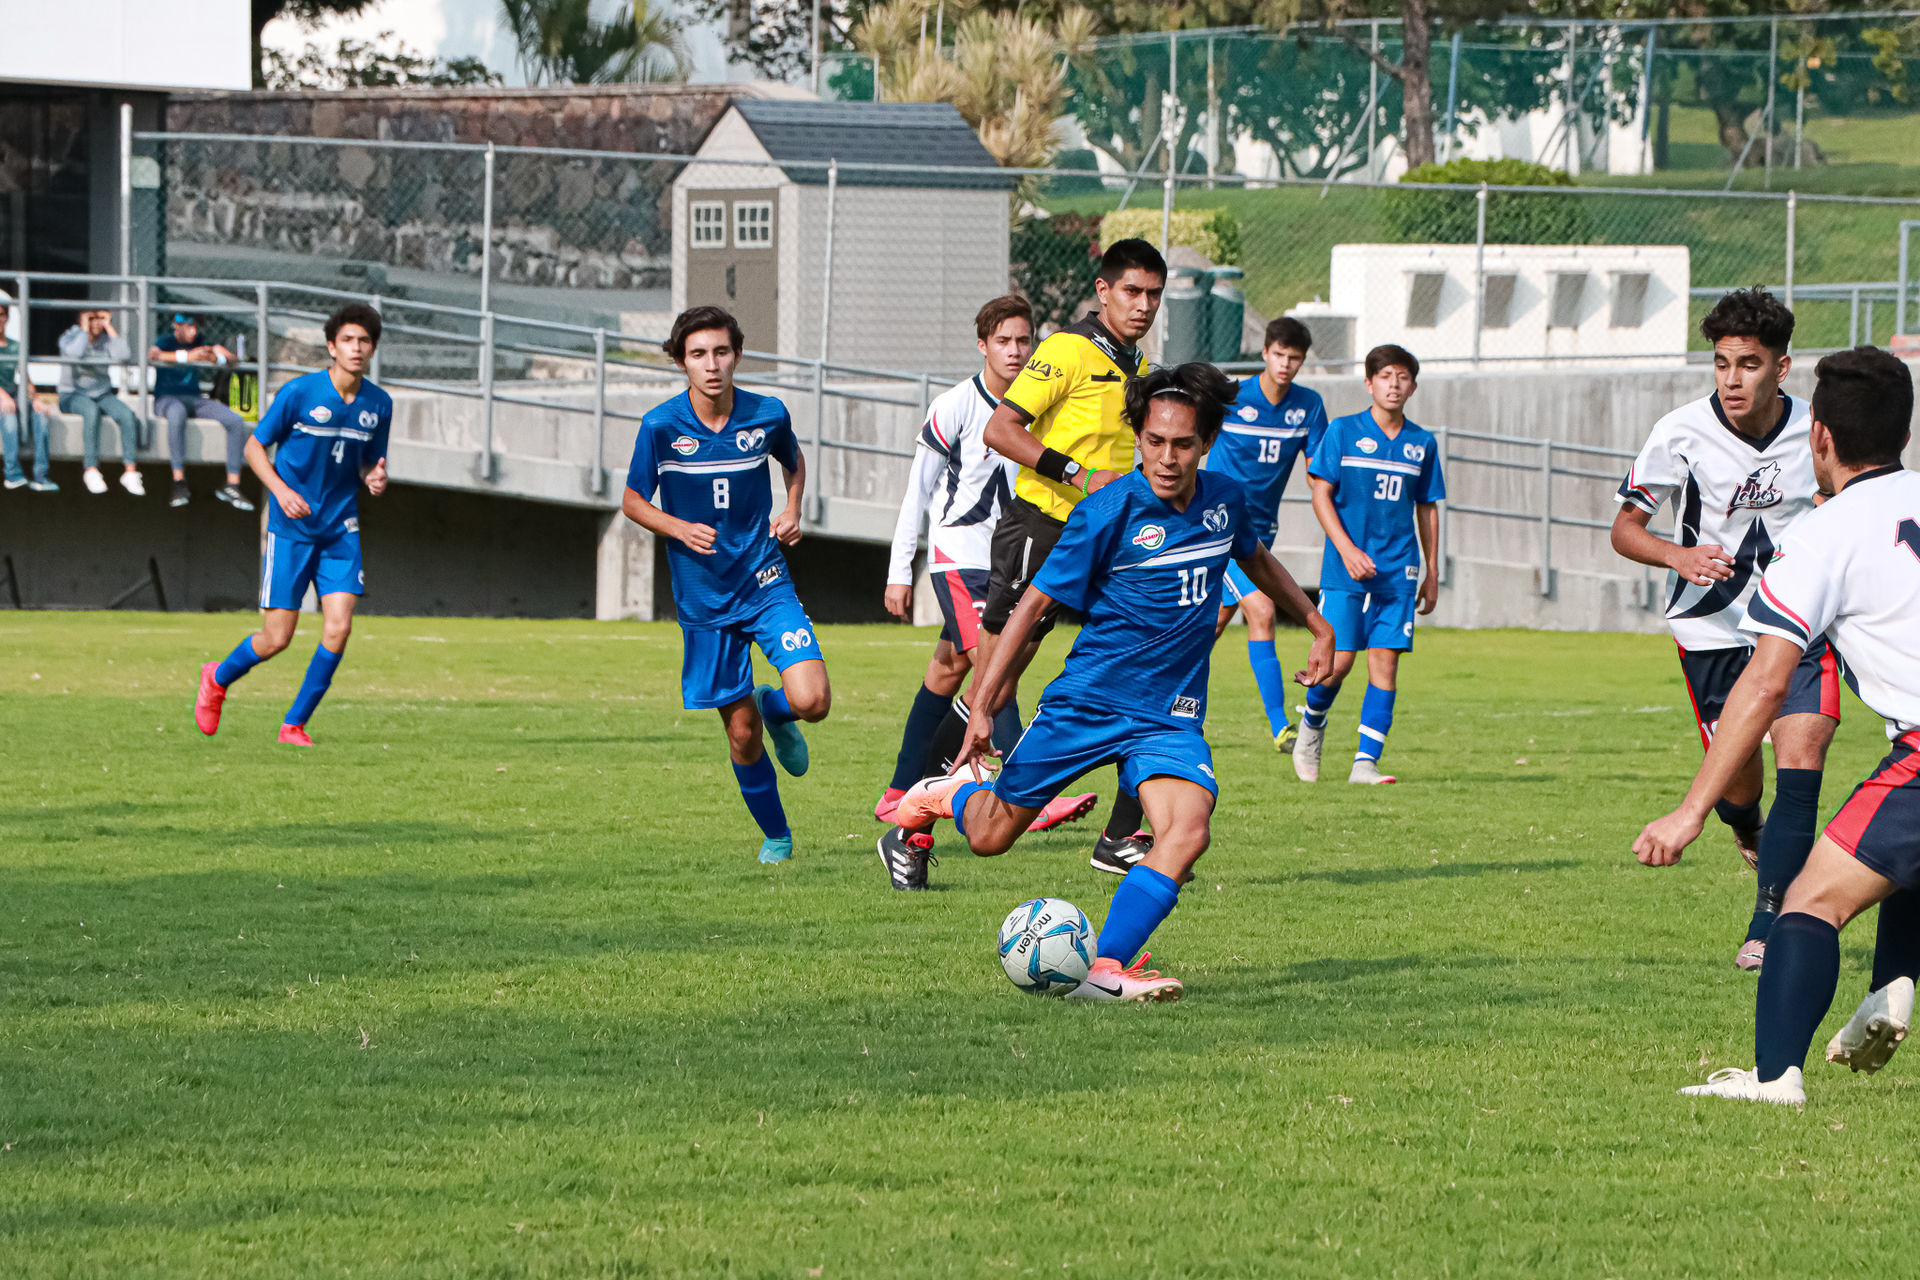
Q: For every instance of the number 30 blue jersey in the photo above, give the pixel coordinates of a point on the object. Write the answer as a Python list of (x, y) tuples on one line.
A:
[(324, 443), (1377, 483), (719, 479)]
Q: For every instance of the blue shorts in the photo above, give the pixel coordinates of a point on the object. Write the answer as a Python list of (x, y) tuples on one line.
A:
[(1065, 741), (1238, 585), (290, 565), (1370, 620), (716, 667)]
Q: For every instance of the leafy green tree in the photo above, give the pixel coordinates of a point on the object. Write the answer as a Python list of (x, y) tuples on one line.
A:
[(308, 13), (365, 64), (564, 42)]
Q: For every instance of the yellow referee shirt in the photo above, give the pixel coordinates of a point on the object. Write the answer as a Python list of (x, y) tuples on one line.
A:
[(1071, 393)]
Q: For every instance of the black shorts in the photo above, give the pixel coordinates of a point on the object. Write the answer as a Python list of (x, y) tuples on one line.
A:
[(1880, 822), (962, 594), (1022, 541), (1712, 673)]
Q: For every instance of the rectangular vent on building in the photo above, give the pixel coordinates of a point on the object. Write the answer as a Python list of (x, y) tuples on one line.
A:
[(1563, 308), (1423, 298), (1496, 307), (1629, 299)]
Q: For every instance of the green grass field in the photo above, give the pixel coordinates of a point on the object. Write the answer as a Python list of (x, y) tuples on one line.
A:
[(489, 983)]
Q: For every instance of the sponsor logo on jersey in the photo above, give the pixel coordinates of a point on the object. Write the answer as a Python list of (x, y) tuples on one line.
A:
[(748, 441), (351, 524), (369, 419), (1366, 444), (1415, 452), (1249, 414), (1187, 709), (1294, 418), (685, 446), (1759, 490), (769, 575), (1150, 536), (320, 413), (1040, 368), (1216, 518), (794, 641)]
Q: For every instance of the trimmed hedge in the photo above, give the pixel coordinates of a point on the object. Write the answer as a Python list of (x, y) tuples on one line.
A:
[(1449, 217)]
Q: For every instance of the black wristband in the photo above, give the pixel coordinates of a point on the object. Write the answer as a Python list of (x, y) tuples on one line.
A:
[(1053, 465)]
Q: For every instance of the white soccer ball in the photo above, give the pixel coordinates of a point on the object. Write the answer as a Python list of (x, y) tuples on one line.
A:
[(1046, 946)]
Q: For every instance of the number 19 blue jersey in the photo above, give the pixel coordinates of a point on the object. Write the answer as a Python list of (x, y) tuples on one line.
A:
[(1259, 441), (1377, 482), (324, 443), (719, 479)]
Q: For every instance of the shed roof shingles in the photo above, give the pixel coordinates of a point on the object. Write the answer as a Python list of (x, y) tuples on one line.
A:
[(904, 133)]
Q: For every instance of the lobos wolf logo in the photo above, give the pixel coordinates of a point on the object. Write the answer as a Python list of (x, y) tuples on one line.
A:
[(1759, 490)]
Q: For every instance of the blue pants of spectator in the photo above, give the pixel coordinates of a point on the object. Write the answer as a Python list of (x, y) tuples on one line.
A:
[(177, 409), (10, 441), (90, 411)]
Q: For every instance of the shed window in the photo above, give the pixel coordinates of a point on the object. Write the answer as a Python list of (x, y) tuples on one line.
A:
[(1629, 299), (1423, 298), (709, 224), (1496, 305), (752, 224), (1568, 289)]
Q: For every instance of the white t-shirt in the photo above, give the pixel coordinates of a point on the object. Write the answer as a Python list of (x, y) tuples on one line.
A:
[(966, 485), (1728, 490), (1851, 571)]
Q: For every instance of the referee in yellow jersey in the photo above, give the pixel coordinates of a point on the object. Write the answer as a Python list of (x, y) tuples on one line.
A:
[(1060, 420)]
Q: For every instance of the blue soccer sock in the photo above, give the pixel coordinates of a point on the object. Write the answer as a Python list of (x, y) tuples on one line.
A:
[(1145, 898), (774, 708), (236, 664), (1796, 989), (1271, 681), (923, 721), (760, 788), (1376, 721), (962, 794), (1785, 842), (314, 687), (1319, 702), (1007, 727)]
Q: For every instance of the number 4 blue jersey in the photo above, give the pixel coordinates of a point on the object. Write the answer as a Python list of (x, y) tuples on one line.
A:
[(1147, 578), (720, 479), (323, 445), (1377, 482), (1259, 441)]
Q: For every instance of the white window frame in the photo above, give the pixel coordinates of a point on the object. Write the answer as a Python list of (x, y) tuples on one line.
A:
[(762, 225), (696, 227)]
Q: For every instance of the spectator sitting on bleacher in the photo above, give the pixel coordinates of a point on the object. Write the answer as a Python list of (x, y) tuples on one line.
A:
[(9, 419), (87, 390), (177, 397)]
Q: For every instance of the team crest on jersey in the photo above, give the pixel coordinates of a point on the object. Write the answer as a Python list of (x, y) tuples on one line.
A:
[(1296, 416), (1415, 452), (1759, 490), (1366, 444), (1249, 414), (685, 446), (1187, 709), (321, 414), (748, 441), (1216, 519), (1150, 537), (769, 575), (369, 419)]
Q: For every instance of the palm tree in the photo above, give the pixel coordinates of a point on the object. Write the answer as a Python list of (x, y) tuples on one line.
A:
[(562, 42)]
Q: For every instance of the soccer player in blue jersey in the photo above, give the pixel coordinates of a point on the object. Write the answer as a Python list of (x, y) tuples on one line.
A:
[(706, 452), (1143, 559), (1272, 422), (328, 430), (1376, 489)]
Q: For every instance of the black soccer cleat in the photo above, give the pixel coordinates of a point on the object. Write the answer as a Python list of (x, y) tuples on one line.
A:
[(1122, 855), (906, 855)]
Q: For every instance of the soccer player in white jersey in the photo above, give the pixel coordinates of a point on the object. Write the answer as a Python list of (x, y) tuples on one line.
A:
[(966, 485), (1738, 471), (1848, 573)]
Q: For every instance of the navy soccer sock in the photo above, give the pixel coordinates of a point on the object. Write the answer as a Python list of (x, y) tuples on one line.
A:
[(1272, 683), (1743, 816), (1319, 702), (923, 721), (1006, 727), (1796, 989), (314, 687), (236, 664), (1127, 816), (1785, 842), (1376, 721), (1145, 898), (760, 788), (1896, 944), (947, 739), (774, 708)]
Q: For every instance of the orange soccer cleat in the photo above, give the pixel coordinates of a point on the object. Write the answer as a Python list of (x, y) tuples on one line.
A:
[(1108, 981), (206, 705), (294, 735)]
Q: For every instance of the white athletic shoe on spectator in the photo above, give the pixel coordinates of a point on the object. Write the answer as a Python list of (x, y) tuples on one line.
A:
[(133, 484), (1306, 753), (1744, 1084), (1876, 1028), (96, 483), (1368, 772)]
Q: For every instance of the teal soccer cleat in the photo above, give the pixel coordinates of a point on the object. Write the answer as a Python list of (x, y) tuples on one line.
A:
[(776, 849), (789, 744)]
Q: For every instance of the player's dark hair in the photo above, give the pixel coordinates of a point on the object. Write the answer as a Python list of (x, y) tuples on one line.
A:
[(1122, 254), (354, 313), (1865, 398), (1288, 332), (1390, 354), (1199, 385), (1750, 313), (997, 312), (697, 320)]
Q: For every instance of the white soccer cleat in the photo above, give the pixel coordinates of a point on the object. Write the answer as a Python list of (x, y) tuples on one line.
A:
[(1876, 1028), (1368, 773), (1137, 983), (1306, 753), (1744, 1084)]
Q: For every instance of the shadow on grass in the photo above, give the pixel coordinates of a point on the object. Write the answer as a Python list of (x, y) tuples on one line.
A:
[(1400, 875)]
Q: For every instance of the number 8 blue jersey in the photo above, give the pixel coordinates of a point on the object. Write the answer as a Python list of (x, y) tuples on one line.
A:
[(1377, 482), (324, 443)]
